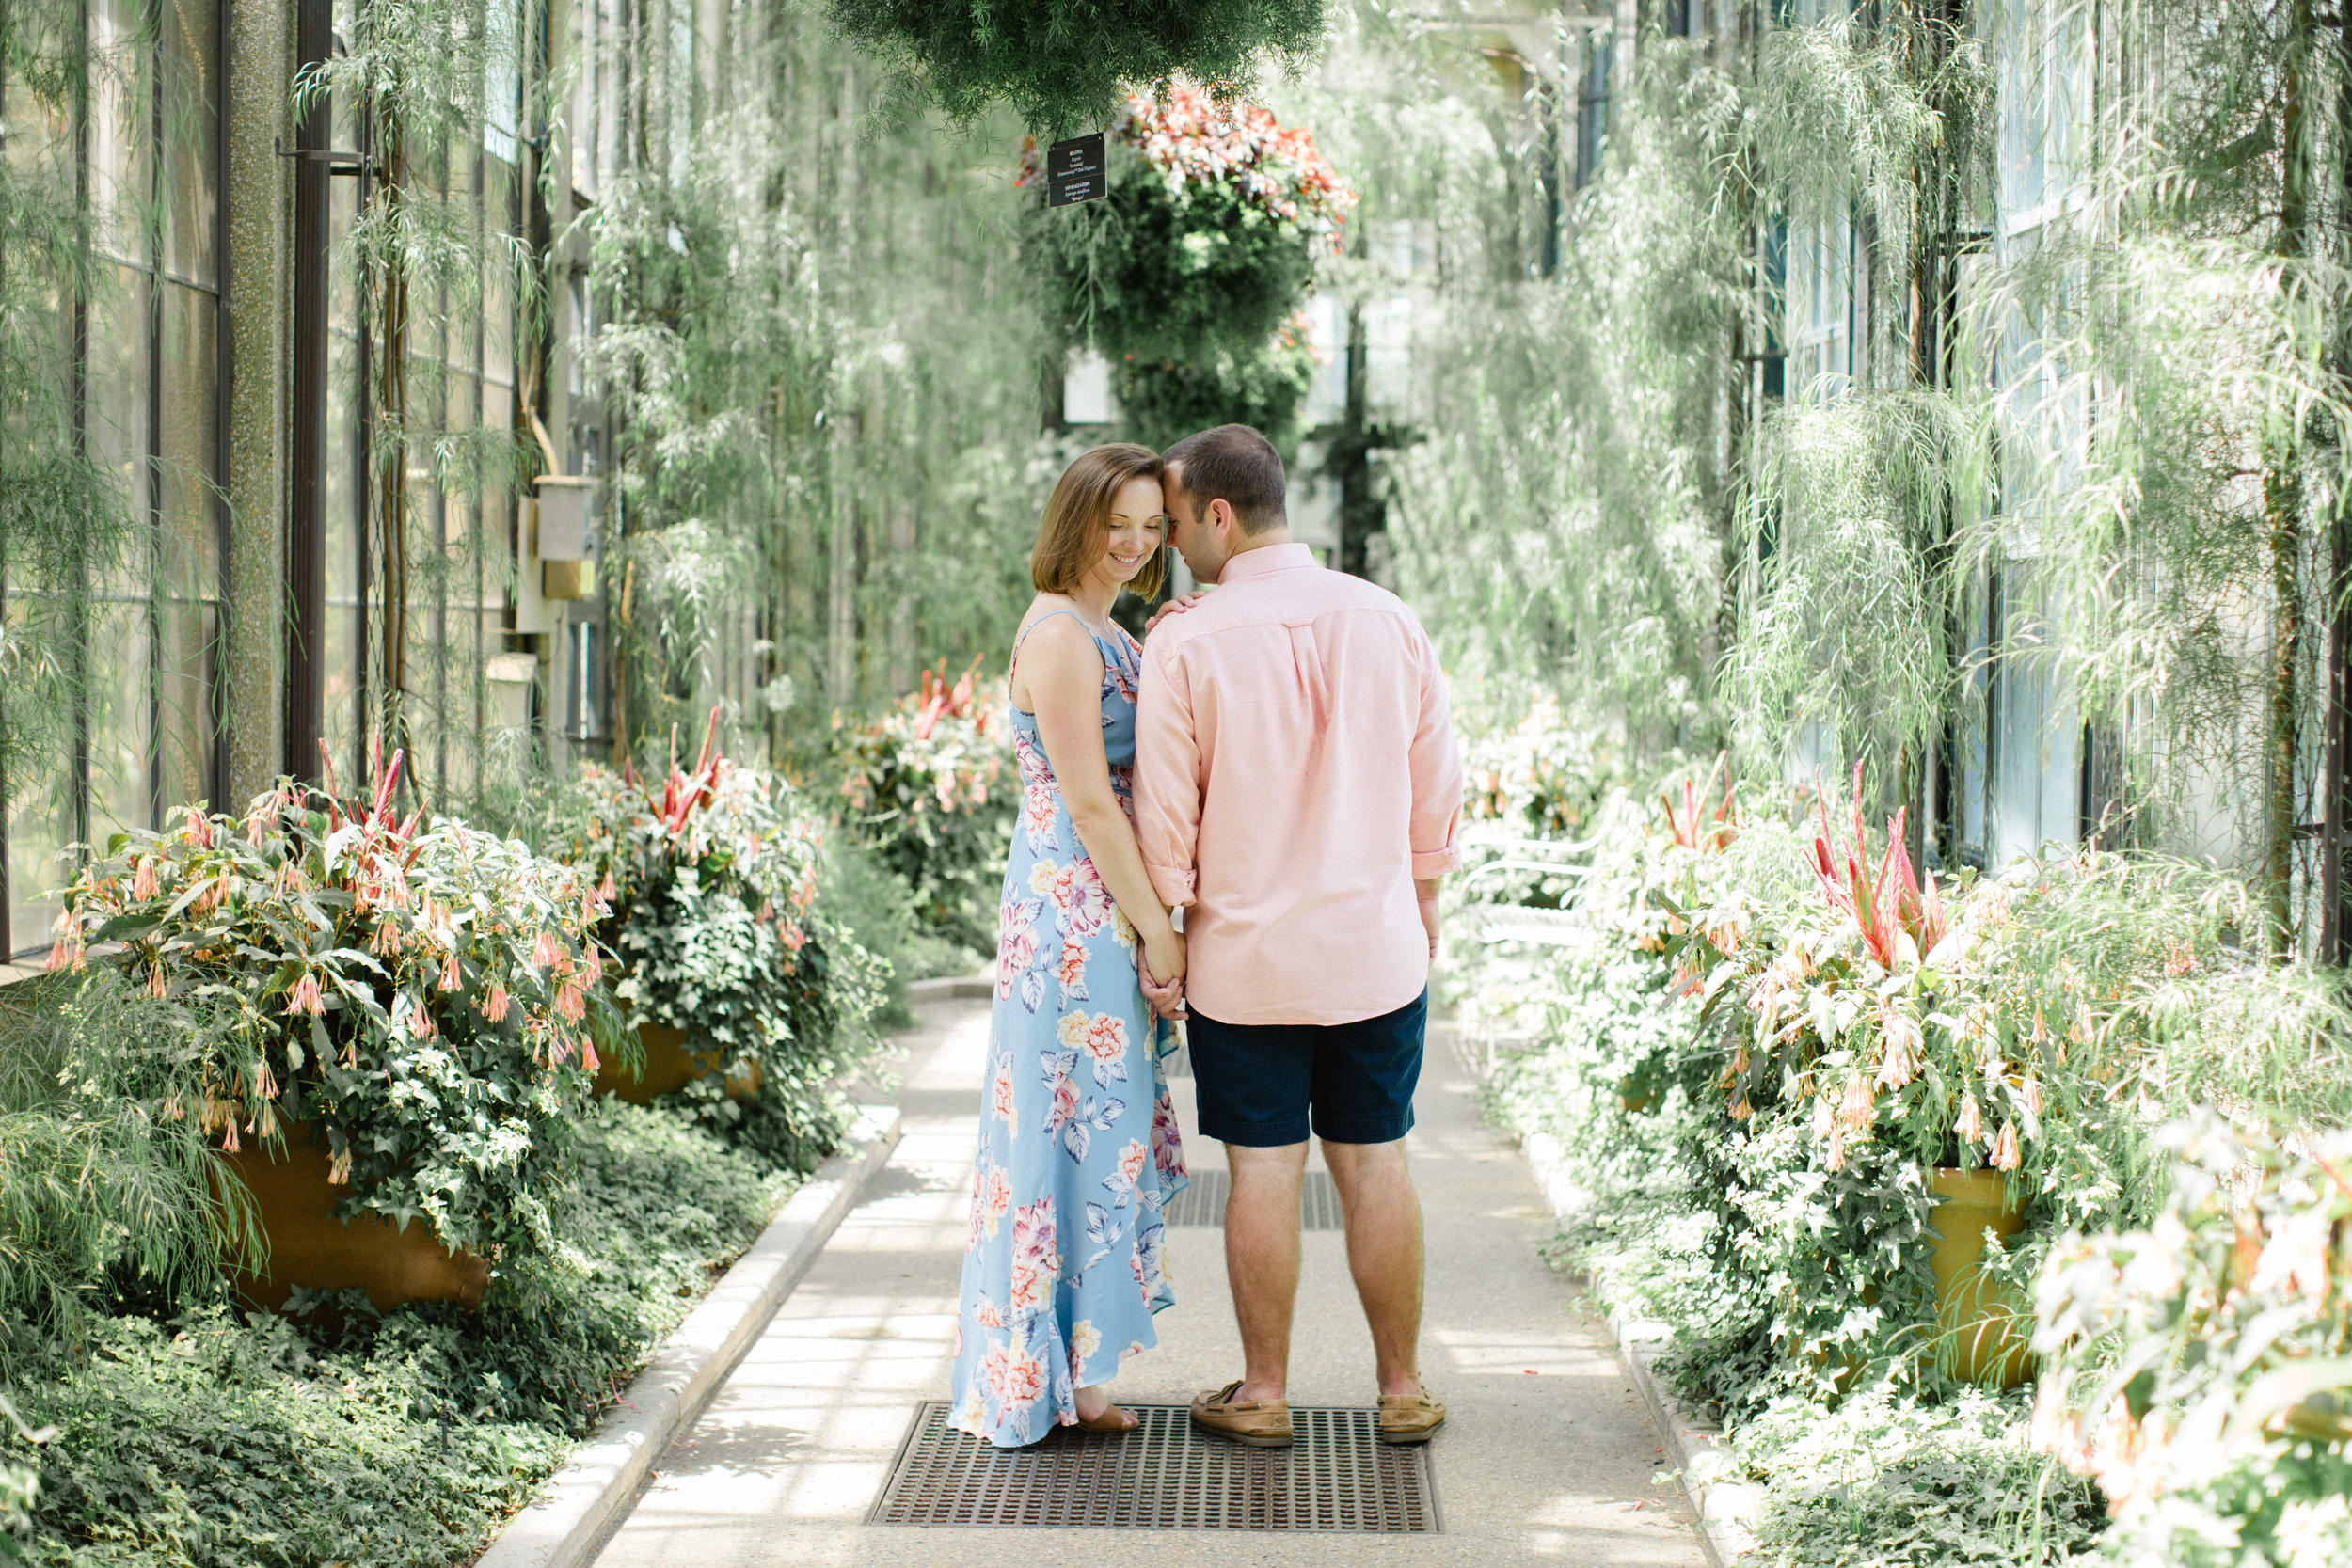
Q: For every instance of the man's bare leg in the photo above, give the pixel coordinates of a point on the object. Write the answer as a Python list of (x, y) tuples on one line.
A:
[(1384, 1253), (1262, 1261)]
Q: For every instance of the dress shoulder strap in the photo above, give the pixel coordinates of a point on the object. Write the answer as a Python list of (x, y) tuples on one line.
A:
[(1039, 621)]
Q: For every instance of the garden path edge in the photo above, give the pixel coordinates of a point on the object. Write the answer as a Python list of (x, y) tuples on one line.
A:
[(1708, 1474), (563, 1526)]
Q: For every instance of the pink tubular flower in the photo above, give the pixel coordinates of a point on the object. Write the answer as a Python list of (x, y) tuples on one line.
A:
[(544, 951), (450, 980), (2005, 1152), (306, 997), (494, 1007), (570, 1003), (146, 884)]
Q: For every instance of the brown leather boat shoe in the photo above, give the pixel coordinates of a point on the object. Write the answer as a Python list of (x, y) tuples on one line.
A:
[(1260, 1423), (1409, 1417)]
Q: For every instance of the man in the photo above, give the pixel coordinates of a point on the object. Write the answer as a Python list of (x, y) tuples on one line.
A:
[(1296, 791)]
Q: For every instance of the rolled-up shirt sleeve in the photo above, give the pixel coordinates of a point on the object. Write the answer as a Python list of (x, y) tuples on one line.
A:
[(1437, 770), (1167, 775)]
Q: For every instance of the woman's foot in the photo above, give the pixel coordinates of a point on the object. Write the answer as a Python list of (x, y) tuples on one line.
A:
[(1096, 1413)]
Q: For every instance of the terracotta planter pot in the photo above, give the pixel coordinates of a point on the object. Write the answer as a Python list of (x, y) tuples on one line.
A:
[(1985, 1334), (309, 1246), (1633, 1099), (669, 1067)]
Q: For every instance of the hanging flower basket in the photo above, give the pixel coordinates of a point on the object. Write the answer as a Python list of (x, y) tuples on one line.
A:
[(1207, 243), (1064, 64)]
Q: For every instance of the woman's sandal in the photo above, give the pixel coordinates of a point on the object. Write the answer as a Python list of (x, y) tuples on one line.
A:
[(1111, 1419)]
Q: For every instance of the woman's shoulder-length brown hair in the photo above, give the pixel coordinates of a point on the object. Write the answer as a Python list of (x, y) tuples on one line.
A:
[(1071, 540)]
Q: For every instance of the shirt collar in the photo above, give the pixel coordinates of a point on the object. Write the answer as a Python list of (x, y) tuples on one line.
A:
[(1265, 557)]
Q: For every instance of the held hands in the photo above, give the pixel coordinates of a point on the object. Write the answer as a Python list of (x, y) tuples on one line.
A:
[(1174, 607), (1160, 965)]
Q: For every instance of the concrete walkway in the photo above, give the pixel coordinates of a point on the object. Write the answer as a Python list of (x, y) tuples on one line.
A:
[(1548, 1456)]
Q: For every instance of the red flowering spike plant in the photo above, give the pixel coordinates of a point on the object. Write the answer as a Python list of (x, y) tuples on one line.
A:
[(928, 786), (714, 920), (424, 993)]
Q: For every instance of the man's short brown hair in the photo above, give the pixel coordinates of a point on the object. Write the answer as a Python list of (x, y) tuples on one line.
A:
[(1236, 465)]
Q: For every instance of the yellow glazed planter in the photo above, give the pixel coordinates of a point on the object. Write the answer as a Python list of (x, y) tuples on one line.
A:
[(1983, 1335), (309, 1246)]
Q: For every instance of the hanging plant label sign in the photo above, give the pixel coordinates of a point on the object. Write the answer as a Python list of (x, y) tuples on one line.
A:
[(1077, 171)]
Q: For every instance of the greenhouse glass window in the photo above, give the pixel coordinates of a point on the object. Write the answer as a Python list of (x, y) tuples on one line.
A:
[(1592, 107), (147, 388)]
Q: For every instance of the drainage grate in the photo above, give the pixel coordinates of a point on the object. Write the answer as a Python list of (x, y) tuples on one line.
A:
[(1202, 1202), (1164, 1475)]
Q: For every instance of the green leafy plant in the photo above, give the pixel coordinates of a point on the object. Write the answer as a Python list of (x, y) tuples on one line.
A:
[(424, 993), (404, 1439), (1065, 64), (2201, 1368), (713, 888), (20, 1484)]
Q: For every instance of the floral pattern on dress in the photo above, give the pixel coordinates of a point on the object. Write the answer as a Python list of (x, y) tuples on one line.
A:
[(1065, 1253)]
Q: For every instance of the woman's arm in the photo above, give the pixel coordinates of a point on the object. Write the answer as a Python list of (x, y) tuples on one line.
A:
[(1063, 671)]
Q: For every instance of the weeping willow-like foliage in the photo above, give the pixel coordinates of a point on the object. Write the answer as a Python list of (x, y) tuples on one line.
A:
[(1564, 515), (427, 84), (825, 369), (109, 1190), (2170, 382)]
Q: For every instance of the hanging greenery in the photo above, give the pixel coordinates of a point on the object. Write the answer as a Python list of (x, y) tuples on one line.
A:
[(814, 345), (1188, 276), (1064, 65), (429, 83)]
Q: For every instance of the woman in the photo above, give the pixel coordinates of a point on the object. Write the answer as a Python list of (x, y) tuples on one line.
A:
[(1078, 1146)]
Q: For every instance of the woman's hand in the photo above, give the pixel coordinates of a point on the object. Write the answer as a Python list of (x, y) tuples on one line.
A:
[(1160, 961), (1174, 607)]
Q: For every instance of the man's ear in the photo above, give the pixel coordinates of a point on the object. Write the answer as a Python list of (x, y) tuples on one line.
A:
[(1221, 515)]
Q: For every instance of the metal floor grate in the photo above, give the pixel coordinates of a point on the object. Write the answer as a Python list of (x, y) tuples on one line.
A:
[(1164, 1475), (1202, 1202)]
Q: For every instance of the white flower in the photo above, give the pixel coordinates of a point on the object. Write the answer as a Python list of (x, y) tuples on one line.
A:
[(2316, 1535)]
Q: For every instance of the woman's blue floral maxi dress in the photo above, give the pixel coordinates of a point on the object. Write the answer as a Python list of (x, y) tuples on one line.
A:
[(1065, 1263)]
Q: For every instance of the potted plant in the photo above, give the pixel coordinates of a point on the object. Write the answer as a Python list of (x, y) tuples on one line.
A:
[(928, 786), (747, 1002), (401, 1014), (1869, 1017)]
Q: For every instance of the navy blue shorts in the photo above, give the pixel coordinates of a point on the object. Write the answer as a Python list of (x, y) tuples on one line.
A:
[(1263, 1086)]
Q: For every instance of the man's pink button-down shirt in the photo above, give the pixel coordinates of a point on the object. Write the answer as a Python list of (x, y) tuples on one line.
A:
[(1295, 772)]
